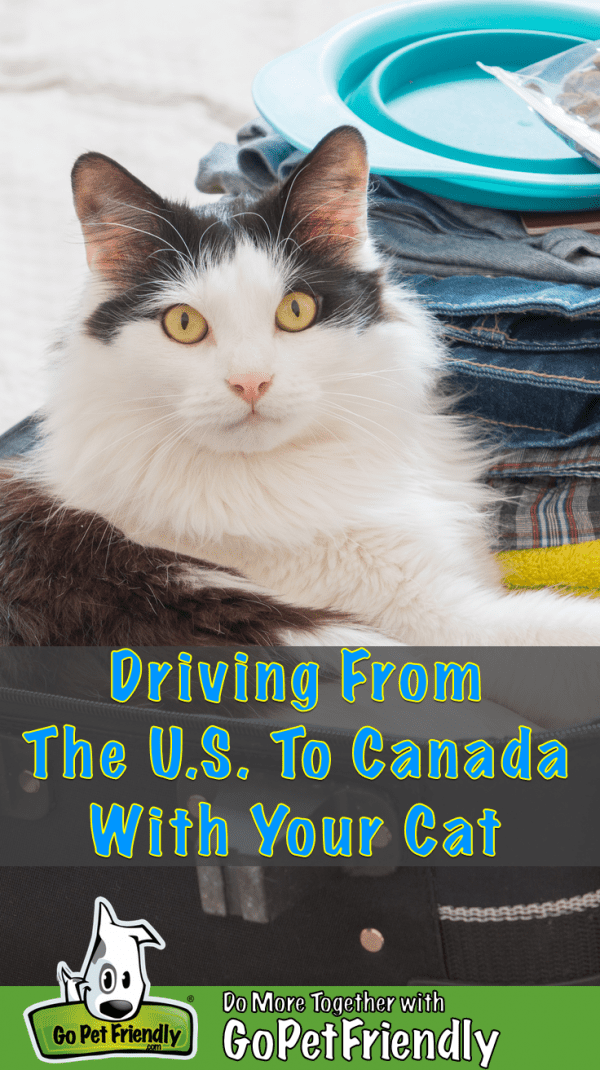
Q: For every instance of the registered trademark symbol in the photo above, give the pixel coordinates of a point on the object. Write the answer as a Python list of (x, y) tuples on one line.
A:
[(190, 999)]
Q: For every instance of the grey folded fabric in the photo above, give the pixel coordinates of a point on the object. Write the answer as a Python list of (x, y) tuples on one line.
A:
[(424, 234)]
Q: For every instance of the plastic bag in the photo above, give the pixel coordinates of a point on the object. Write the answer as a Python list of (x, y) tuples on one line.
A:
[(565, 92)]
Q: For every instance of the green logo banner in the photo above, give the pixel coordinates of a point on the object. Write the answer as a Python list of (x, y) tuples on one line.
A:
[(504, 1028), (67, 1031)]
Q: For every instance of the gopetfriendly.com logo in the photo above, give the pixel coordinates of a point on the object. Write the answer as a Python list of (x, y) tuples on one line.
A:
[(105, 1009)]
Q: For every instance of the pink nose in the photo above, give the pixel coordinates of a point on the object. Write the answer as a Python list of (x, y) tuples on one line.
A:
[(250, 387)]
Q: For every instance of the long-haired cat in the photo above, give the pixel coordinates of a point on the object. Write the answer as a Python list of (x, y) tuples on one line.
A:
[(243, 386)]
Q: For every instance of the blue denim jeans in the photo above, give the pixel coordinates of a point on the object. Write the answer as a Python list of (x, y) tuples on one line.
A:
[(524, 355)]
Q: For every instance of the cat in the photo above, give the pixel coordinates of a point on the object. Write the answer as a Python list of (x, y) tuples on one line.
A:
[(244, 389)]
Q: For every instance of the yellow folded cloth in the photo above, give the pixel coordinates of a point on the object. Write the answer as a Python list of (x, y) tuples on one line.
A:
[(575, 568)]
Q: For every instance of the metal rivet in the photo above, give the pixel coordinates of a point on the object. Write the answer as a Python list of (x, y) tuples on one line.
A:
[(28, 782), (193, 803), (371, 939), (382, 837)]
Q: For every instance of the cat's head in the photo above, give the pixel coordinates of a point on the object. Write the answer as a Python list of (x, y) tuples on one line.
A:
[(231, 324)]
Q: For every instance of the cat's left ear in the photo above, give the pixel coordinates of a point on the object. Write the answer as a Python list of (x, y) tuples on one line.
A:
[(324, 202), (119, 217)]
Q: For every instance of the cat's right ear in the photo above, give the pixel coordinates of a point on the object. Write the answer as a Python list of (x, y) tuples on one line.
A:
[(325, 199), (119, 217)]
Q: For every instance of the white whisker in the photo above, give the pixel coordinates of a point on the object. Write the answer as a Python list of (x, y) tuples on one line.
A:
[(137, 208), (138, 230), (365, 400), (358, 423)]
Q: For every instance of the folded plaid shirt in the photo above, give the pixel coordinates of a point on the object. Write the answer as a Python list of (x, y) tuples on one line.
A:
[(549, 497)]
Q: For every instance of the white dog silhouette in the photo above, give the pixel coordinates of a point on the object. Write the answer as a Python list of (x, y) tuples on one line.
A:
[(113, 981)]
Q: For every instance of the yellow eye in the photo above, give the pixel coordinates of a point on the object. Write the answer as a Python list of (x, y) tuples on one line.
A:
[(184, 324), (296, 312)]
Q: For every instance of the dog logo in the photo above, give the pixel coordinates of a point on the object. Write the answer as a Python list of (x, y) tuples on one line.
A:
[(105, 1009), (113, 980)]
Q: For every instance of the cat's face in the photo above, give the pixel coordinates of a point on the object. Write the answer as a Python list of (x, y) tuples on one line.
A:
[(231, 326)]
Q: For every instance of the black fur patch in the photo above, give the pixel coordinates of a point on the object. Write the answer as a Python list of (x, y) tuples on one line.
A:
[(348, 295), (182, 236), (69, 578)]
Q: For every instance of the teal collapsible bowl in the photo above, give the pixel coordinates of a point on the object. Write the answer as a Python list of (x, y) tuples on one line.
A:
[(406, 76), (432, 95)]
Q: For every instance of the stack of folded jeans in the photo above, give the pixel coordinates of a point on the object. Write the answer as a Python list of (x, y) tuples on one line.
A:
[(525, 357), (521, 315)]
